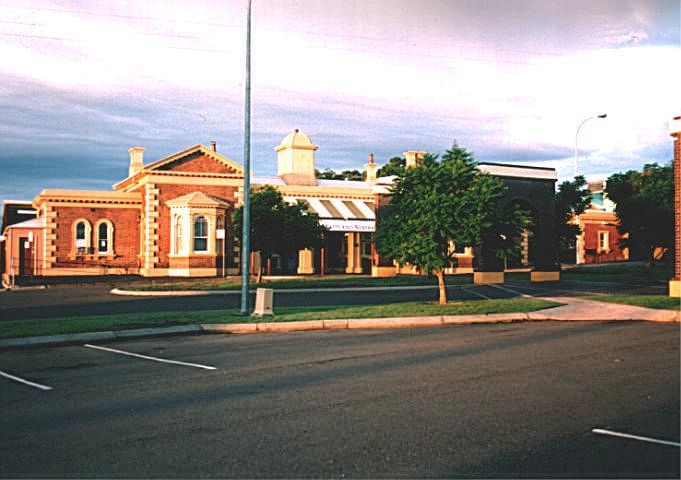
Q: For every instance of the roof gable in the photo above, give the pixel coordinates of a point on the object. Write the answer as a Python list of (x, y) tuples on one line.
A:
[(198, 199), (198, 158)]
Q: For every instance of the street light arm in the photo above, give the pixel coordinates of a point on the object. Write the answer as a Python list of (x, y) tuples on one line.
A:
[(602, 115)]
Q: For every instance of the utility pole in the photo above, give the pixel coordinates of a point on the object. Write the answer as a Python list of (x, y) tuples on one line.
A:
[(245, 234)]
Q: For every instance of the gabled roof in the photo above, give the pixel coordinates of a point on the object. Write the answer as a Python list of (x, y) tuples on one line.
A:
[(196, 149), (197, 199), (209, 152)]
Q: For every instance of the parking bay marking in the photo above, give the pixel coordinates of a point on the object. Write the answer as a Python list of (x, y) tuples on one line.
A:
[(25, 382), (155, 359), (601, 431)]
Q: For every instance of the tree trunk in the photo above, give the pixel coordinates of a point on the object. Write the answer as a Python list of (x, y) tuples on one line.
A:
[(651, 258), (441, 284)]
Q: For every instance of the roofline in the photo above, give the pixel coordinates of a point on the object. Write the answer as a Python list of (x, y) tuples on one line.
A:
[(21, 202), (516, 166), (198, 147)]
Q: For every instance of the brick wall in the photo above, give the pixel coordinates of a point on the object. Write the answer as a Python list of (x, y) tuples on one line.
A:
[(170, 192), (200, 163), (590, 236), (677, 203), (126, 223)]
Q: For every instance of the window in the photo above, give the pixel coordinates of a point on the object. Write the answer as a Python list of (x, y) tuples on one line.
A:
[(179, 235), (81, 237), (104, 237), (219, 236), (603, 241), (200, 234)]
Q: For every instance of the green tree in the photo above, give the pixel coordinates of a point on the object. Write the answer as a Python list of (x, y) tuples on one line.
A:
[(278, 227), (644, 207), (329, 174), (395, 166), (439, 203), (572, 198)]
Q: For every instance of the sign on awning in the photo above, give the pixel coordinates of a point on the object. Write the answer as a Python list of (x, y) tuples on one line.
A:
[(348, 225)]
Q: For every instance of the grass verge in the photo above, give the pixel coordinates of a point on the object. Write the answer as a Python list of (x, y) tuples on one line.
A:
[(303, 282), (621, 273), (57, 326), (660, 302)]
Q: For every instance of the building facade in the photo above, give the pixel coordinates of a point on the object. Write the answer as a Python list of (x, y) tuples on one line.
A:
[(599, 240), (173, 217)]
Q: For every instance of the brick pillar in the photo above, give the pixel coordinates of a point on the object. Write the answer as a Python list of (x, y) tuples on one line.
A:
[(675, 283)]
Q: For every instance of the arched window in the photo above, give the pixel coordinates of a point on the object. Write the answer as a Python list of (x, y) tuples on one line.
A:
[(179, 235), (81, 236), (200, 234), (104, 232)]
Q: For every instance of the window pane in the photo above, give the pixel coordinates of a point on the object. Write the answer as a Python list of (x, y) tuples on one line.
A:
[(103, 231), (200, 234), (200, 244), (200, 227), (80, 231)]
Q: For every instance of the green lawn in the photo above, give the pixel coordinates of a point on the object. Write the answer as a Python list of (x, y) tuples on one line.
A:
[(56, 326), (661, 302), (331, 281), (620, 273)]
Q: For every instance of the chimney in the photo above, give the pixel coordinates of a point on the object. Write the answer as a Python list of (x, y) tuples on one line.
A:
[(136, 160), (371, 168), (214, 145), (413, 158)]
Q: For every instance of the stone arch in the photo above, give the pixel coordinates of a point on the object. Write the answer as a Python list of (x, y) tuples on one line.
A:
[(535, 187)]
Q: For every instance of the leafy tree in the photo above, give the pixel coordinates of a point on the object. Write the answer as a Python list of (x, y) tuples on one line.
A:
[(278, 227), (645, 207), (395, 166), (330, 174), (572, 198), (436, 204)]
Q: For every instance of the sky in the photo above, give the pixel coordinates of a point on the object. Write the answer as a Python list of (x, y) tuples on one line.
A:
[(510, 80)]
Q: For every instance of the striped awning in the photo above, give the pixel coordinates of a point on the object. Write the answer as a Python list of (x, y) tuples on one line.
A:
[(340, 215)]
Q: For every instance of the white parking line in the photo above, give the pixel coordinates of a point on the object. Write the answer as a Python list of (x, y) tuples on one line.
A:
[(25, 382), (470, 290), (635, 437), (524, 295), (162, 360)]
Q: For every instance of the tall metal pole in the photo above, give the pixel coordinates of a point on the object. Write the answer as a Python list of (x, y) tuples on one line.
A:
[(245, 234)]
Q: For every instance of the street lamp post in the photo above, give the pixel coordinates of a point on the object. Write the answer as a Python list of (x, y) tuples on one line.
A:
[(246, 219), (602, 115), (579, 246)]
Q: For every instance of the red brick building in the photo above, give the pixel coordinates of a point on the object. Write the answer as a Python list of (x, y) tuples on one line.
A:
[(173, 217), (599, 238)]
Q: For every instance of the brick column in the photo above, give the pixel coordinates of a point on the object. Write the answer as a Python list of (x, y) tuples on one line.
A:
[(675, 283)]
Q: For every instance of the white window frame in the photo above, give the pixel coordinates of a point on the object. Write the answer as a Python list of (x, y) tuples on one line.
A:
[(605, 245), (109, 237), (84, 243), (205, 236)]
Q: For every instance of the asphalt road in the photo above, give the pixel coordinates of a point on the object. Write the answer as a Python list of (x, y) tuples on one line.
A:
[(95, 300), (511, 400)]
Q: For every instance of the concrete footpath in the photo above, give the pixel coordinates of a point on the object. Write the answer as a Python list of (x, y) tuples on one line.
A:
[(573, 310)]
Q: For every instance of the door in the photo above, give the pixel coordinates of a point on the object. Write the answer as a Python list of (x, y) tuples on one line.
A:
[(25, 257)]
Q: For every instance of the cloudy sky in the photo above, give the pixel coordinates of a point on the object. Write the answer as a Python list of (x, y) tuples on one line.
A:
[(82, 81)]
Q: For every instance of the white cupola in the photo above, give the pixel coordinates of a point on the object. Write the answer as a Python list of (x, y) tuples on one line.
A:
[(295, 159)]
